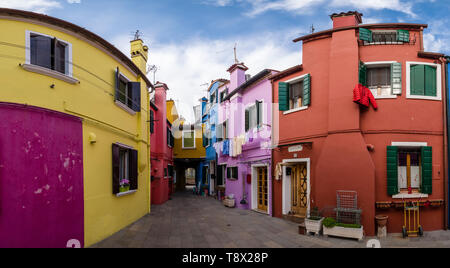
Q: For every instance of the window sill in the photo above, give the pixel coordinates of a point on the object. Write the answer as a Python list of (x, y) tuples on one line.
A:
[(124, 107), (417, 97), (48, 72), (296, 110), (189, 148), (126, 193), (386, 97), (406, 196)]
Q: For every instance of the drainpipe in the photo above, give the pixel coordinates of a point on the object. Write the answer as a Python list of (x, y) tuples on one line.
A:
[(446, 138)]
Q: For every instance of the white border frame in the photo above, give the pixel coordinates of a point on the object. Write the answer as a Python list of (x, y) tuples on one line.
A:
[(69, 66), (383, 64), (410, 144), (287, 186), (254, 188), (291, 81), (182, 138), (438, 81)]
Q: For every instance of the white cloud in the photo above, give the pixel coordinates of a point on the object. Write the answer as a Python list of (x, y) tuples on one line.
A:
[(186, 66), (41, 6), (308, 6), (74, 1)]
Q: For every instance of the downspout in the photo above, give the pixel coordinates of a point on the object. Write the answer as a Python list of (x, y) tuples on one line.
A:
[(272, 147), (446, 139)]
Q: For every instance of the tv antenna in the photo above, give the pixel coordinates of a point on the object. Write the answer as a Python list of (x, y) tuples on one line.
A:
[(153, 69), (235, 54), (137, 35), (312, 28)]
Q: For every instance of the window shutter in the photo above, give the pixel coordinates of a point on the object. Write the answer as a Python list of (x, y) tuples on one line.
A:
[(427, 170), (403, 36), (430, 81), (135, 88), (172, 140), (392, 170), (133, 170), (116, 91), (396, 78), (258, 113), (365, 35), (283, 96), (418, 80), (307, 90), (116, 168), (362, 74), (247, 120), (152, 121), (228, 173)]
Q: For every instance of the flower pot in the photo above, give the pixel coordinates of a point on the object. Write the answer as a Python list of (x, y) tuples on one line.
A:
[(344, 232), (124, 189), (381, 220), (314, 226)]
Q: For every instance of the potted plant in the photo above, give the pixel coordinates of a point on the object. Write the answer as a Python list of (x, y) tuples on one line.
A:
[(124, 185), (333, 228), (314, 222)]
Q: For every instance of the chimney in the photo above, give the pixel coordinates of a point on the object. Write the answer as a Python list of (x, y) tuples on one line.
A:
[(237, 75), (346, 19), (139, 54)]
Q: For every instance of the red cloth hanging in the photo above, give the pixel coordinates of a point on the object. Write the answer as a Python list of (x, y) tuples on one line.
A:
[(363, 96)]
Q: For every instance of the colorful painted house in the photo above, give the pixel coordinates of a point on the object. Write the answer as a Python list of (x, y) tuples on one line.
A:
[(326, 142), (244, 138), (162, 140), (210, 120), (188, 152), (74, 158)]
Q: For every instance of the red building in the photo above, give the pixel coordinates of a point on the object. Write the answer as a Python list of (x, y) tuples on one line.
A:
[(161, 138), (326, 142)]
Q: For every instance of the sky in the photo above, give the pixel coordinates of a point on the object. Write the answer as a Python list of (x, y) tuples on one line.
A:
[(192, 41)]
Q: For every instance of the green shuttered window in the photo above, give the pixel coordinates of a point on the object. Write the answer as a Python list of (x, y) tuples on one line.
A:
[(423, 80), (392, 170), (362, 74), (426, 168), (403, 36), (290, 94), (283, 96), (365, 34)]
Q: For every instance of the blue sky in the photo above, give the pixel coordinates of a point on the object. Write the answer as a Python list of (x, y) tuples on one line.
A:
[(191, 41)]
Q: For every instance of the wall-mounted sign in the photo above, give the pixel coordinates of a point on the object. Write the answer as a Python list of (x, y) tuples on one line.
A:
[(297, 148)]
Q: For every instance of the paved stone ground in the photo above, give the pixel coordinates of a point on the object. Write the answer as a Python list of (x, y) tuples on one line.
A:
[(190, 221)]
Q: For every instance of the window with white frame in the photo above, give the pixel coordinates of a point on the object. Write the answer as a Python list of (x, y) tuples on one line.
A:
[(189, 139), (384, 79), (254, 116), (49, 52), (424, 81)]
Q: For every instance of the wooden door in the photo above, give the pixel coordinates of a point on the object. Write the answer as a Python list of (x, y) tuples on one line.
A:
[(299, 190), (262, 189)]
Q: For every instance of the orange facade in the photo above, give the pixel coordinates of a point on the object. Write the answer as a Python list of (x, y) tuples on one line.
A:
[(345, 144)]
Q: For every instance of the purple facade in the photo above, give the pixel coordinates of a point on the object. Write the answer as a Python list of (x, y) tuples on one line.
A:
[(246, 114), (41, 178)]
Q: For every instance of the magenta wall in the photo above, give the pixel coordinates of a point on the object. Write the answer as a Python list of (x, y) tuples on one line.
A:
[(41, 178)]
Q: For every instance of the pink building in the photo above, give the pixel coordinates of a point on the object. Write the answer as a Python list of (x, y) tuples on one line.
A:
[(244, 138)]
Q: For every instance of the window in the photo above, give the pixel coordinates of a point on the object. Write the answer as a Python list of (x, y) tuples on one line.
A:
[(49, 52), (206, 137), (165, 173), (222, 131), (232, 173), (223, 95), (170, 138), (170, 171), (384, 36), (423, 80), (127, 93), (189, 139), (152, 122), (409, 169), (213, 98), (254, 116), (295, 94), (384, 79), (125, 169)]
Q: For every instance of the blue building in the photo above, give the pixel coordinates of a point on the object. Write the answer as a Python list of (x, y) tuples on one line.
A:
[(210, 122)]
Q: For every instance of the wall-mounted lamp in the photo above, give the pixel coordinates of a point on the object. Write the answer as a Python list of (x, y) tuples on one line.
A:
[(92, 138)]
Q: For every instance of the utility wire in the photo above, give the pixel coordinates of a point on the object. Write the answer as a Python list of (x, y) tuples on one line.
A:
[(79, 67)]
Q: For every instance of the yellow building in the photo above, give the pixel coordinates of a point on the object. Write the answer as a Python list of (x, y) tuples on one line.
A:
[(172, 112), (93, 100)]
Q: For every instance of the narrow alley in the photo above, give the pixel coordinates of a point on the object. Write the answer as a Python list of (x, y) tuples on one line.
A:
[(191, 221)]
